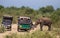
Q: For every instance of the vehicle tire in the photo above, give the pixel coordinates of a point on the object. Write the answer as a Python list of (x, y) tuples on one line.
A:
[(18, 29), (28, 30), (10, 28), (25, 30)]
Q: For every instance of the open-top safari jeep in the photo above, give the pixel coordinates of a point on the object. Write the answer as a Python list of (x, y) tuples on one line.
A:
[(7, 21), (24, 23)]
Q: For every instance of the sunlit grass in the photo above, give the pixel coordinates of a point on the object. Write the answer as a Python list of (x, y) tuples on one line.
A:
[(2, 29), (36, 34)]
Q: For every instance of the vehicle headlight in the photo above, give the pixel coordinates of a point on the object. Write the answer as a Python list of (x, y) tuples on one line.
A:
[(8, 25), (20, 26)]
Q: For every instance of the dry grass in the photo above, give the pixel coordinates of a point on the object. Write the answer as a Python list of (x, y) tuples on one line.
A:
[(36, 34), (2, 29)]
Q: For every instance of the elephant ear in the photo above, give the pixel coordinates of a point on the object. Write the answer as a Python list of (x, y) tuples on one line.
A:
[(41, 19), (37, 22)]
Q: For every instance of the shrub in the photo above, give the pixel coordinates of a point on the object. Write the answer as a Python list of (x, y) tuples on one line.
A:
[(2, 29), (36, 34)]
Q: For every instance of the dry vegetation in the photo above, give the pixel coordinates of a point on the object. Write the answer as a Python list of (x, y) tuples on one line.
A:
[(48, 11), (36, 34)]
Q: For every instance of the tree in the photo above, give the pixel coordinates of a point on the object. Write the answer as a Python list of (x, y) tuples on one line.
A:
[(58, 9), (1, 6), (29, 11), (49, 9), (23, 7), (42, 9)]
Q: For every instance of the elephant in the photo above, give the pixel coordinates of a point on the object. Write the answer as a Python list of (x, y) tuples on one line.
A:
[(44, 21)]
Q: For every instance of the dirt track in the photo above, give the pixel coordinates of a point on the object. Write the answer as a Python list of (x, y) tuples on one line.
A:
[(14, 30)]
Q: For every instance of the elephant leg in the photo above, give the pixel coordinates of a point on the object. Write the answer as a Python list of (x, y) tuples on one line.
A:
[(49, 27), (41, 25)]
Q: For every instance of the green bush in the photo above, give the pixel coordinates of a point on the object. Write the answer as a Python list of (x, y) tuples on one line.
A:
[(36, 34), (2, 29), (11, 36), (48, 11)]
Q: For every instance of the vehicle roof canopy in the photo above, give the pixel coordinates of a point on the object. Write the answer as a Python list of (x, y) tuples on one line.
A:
[(24, 17), (7, 17)]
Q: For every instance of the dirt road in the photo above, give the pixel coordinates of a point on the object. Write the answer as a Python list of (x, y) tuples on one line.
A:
[(14, 30)]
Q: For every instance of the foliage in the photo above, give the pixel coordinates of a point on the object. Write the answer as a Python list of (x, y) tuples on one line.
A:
[(36, 34), (1, 6), (2, 29), (48, 11)]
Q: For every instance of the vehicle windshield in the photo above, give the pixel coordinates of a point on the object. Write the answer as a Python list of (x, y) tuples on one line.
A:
[(6, 22), (25, 21)]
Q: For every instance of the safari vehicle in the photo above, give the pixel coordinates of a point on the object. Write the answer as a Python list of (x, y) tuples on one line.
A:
[(7, 21), (24, 23)]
